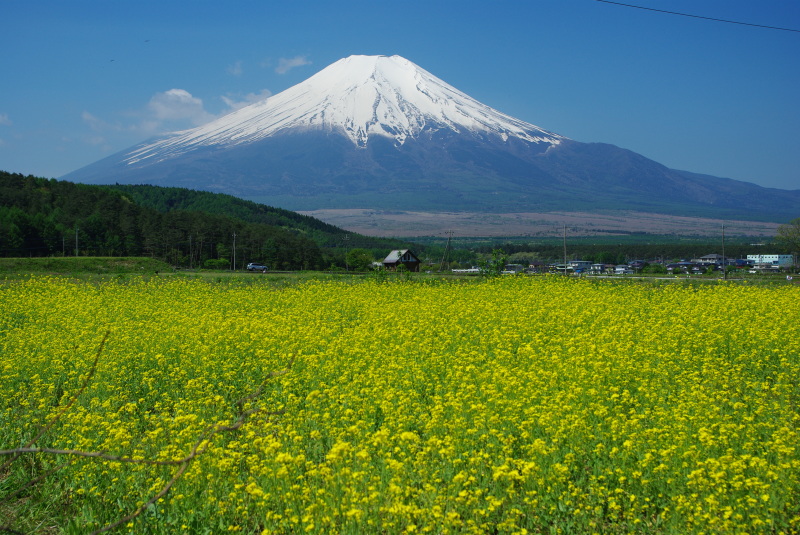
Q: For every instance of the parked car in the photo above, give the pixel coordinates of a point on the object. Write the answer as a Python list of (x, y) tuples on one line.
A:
[(252, 266)]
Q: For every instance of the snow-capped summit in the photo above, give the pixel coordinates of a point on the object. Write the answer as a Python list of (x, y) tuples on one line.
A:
[(379, 132), (360, 96)]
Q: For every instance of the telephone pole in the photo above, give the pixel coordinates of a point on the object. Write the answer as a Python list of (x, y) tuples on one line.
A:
[(346, 240), (724, 259), (446, 249)]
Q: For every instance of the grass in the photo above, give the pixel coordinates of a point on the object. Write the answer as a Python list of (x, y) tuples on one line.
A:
[(81, 265), (127, 269)]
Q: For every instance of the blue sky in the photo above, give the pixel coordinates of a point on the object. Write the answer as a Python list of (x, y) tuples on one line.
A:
[(81, 80)]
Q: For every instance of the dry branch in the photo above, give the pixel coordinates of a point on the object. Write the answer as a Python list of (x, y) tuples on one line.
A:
[(45, 428), (200, 446)]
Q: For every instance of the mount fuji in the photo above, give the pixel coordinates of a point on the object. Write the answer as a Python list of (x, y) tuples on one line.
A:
[(382, 133)]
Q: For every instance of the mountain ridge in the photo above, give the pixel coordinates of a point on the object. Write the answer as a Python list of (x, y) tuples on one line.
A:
[(333, 99), (380, 132)]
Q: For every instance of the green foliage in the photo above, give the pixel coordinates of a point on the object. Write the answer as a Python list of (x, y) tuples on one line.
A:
[(359, 259), (217, 263), (620, 252), (380, 274), (41, 217), (76, 265), (655, 269), (493, 267), (788, 236), (166, 200), (596, 249)]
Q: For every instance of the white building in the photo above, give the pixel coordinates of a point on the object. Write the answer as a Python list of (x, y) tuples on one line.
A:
[(582, 265), (713, 259), (597, 268), (771, 259), (513, 269), (468, 271)]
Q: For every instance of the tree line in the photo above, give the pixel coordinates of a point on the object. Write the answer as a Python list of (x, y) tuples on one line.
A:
[(48, 217), (334, 242), (604, 253)]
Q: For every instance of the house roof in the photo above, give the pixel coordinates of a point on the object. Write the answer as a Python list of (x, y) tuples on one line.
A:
[(397, 254)]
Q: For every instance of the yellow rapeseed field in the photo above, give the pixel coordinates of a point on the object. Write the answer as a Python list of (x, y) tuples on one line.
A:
[(514, 405)]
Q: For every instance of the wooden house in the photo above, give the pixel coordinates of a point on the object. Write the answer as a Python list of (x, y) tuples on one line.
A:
[(402, 257)]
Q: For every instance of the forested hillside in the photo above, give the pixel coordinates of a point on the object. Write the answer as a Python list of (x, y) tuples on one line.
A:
[(42, 217), (333, 240), (166, 200), (187, 228)]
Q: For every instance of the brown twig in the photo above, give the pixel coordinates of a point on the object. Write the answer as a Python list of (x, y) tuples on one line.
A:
[(120, 459), (45, 428), (199, 447), (75, 397), (163, 492), (36, 480), (257, 392), (185, 462)]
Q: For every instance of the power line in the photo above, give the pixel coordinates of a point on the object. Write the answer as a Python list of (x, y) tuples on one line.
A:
[(700, 16)]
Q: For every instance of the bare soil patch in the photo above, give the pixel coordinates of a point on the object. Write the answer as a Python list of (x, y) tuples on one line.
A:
[(385, 223)]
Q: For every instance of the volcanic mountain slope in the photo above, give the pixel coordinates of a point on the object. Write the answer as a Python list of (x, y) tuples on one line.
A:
[(380, 132)]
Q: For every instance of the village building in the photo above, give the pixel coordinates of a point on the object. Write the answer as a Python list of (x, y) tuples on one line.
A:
[(710, 259), (623, 269), (513, 269), (401, 257), (474, 270), (771, 259), (579, 266)]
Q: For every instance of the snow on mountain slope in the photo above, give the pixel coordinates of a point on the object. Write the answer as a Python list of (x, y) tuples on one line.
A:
[(359, 96)]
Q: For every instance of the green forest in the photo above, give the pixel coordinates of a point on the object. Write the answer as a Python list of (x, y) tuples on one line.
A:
[(42, 217), (49, 217)]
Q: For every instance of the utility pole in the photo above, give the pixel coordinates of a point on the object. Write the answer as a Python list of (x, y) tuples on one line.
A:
[(446, 249), (346, 240), (565, 250), (724, 259), (76, 240), (234, 251)]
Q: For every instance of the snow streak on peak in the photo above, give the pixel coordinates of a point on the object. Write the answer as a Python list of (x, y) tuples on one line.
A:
[(360, 96)]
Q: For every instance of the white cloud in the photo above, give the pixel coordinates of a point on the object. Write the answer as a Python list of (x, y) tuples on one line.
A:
[(4, 120), (166, 111), (178, 106), (286, 64), (100, 129), (95, 123), (236, 69), (235, 102), (95, 140)]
